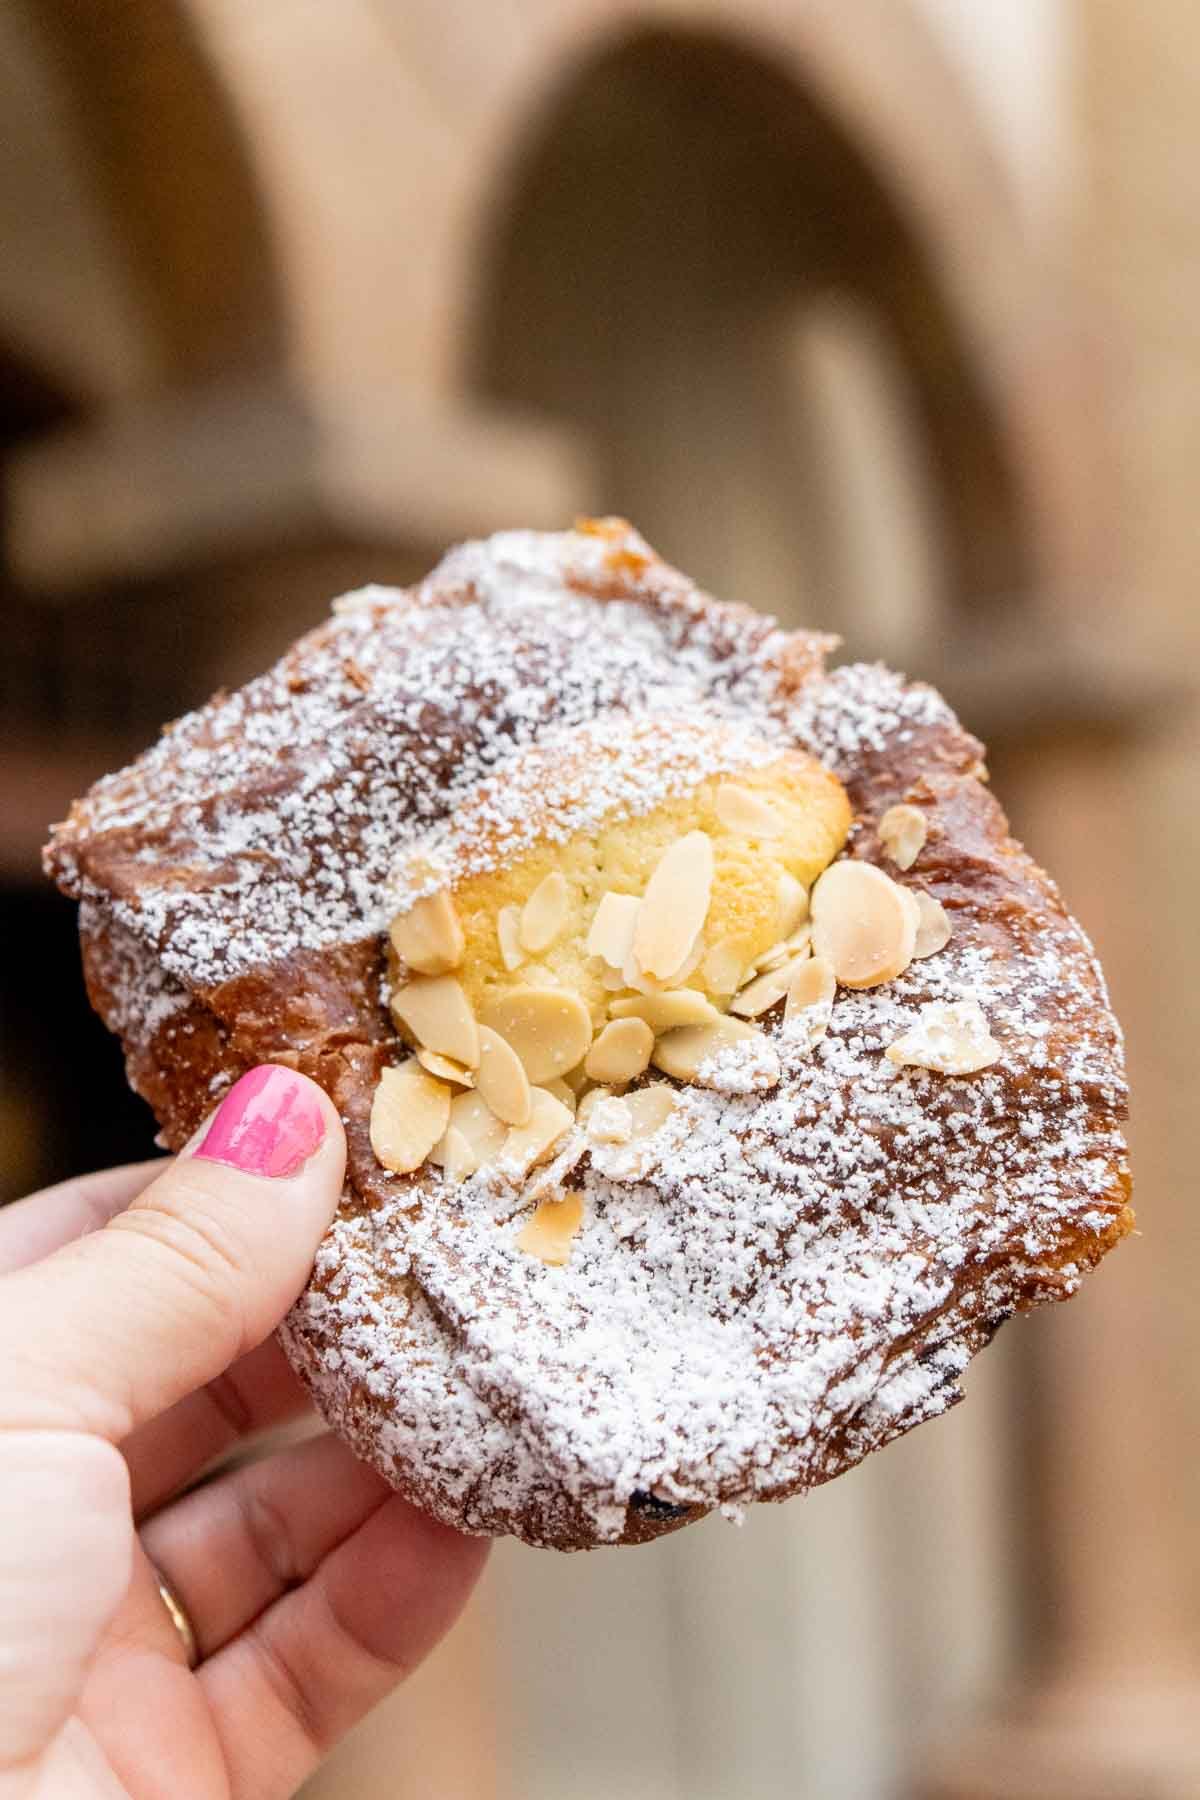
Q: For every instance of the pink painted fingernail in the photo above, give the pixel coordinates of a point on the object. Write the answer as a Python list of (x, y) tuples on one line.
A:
[(269, 1123)]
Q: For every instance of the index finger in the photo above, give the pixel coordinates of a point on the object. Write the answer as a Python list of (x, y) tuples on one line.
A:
[(32, 1228)]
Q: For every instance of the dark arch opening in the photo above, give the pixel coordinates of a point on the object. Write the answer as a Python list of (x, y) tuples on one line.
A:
[(166, 153), (669, 217)]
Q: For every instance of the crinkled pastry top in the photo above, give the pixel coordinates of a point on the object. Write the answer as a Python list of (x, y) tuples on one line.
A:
[(793, 1276)]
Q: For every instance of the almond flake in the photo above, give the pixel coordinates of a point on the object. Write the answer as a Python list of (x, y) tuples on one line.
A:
[(681, 1053), (674, 906), (863, 923), (409, 1113), (611, 934), (547, 1234), (812, 984), (561, 1091), (544, 914), (445, 1067), (741, 810), (590, 1102), (610, 1121), (428, 937), (725, 965), (437, 1012), (508, 932), (532, 1142), (810, 1000), (622, 1049), (632, 977), (666, 1012), (799, 944), (933, 928), (902, 832), (454, 1155), (501, 1079), (549, 1028), (650, 1107), (759, 995), (950, 1037), (791, 904), (473, 1118)]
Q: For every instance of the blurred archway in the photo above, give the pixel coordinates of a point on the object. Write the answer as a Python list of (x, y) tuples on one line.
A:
[(693, 260)]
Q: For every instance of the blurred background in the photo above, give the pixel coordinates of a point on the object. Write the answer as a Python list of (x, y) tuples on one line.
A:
[(884, 317)]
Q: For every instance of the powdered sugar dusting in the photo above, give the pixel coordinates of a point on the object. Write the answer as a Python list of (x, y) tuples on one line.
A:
[(294, 800), (785, 1275)]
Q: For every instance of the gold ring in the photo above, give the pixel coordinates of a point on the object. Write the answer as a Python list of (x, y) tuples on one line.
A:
[(177, 1612)]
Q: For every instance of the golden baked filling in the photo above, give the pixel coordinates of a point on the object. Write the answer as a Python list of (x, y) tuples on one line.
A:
[(539, 989)]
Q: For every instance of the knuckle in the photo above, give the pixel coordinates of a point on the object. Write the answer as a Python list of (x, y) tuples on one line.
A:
[(270, 1536)]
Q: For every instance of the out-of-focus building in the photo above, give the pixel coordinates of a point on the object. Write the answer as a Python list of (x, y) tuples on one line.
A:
[(879, 317)]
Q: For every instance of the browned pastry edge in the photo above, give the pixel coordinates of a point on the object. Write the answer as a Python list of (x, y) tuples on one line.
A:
[(320, 1013)]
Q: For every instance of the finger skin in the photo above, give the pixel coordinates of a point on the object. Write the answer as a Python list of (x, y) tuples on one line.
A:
[(64, 1568), (286, 1689), (233, 1548), (166, 1453), (117, 1326), (32, 1228)]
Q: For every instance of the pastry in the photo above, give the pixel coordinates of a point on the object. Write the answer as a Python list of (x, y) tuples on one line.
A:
[(717, 1072)]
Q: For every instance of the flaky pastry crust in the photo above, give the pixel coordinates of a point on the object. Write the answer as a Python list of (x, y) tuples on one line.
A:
[(800, 1275)]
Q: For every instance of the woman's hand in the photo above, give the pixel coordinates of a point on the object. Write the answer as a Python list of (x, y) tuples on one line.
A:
[(135, 1313)]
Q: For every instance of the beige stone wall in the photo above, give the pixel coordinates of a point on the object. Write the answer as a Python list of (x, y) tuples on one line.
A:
[(965, 461)]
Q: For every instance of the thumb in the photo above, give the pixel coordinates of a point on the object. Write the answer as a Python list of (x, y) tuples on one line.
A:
[(117, 1326)]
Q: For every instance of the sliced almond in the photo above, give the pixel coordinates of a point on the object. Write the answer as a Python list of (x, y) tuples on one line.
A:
[(774, 958), (559, 1088), (725, 965), (667, 1012), (812, 985), (532, 1142), (501, 1079), (590, 1102), (902, 832), (445, 1068), (409, 1113), (473, 1118), (633, 977), (610, 1121), (681, 1053), (674, 906), (611, 933), (791, 904), (863, 923), (508, 933), (549, 1028), (799, 944), (766, 990), (690, 963), (622, 1049), (547, 1234), (454, 1155), (949, 1036), (437, 1012), (933, 925), (650, 1108), (740, 809), (428, 937), (544, 913)]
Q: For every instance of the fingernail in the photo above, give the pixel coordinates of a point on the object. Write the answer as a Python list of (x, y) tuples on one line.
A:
[(269, 1123)]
